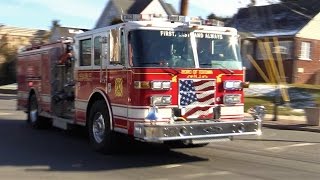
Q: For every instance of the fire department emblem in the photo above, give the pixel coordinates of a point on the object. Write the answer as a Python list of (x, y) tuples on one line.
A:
[(118, 87)]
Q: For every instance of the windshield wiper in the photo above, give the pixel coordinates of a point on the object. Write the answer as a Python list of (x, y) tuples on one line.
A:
[(225, 68), (206, 64), (155, 64), (152, 63)]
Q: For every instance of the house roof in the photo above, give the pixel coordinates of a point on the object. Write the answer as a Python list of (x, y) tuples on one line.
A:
[(284, 19), (69, 32), (168, 8), (17, 31), (137, 6), (114, 8), (123, 5)]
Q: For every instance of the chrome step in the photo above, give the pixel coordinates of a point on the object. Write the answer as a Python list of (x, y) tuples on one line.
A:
[(205, 141)]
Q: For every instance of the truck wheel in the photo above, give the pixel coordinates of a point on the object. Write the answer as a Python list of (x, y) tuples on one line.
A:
[(100, 134), (34, 119)]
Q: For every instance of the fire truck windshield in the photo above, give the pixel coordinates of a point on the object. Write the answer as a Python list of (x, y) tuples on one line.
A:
[(162, 48)]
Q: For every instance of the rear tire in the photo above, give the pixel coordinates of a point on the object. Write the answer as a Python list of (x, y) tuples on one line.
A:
[(102, 138), (34, 119)]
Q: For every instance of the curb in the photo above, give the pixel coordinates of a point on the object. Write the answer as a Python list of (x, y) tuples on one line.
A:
[(8, 91), (296, 127), (9, 88)]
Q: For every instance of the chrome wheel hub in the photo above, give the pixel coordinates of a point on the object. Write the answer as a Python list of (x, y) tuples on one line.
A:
[(98, 127)]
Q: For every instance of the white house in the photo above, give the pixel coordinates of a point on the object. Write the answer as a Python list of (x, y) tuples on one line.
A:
[(115, 8)]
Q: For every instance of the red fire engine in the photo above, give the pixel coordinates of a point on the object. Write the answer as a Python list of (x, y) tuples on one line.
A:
[(155, 79)]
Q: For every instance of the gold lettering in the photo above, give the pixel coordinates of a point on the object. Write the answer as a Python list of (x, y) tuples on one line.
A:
[(205, 72), (186, 71), (85, 77), (195, 76)]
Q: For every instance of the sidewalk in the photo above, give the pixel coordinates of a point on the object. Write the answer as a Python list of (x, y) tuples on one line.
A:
[(8, 89), (298, 123)]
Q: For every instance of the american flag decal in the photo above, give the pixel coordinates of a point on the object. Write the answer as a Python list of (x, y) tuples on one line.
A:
[(196, 98)]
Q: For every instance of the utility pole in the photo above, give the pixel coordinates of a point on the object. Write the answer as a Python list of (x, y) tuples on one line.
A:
[(184, 7)]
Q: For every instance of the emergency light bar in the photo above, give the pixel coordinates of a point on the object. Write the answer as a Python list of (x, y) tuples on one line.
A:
[(136, 17), (184, 19), (170, 18)]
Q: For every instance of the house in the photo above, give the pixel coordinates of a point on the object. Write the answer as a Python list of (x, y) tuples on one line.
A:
[(292, 29), (17, 37), (115, 8), (13, 39), (59, 33)]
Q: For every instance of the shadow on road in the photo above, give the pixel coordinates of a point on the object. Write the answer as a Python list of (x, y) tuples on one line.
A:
[(279, 140), (64, 151)]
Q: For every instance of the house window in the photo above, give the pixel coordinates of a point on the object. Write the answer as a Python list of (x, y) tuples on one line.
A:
[(280, 50), (261, 53), (85, 52), (305, 50), (285, 48)]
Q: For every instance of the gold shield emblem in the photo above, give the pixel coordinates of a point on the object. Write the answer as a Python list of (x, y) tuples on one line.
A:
[(118, 87)]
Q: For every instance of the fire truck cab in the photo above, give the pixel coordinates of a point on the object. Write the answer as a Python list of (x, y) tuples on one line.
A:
[(156, 79)]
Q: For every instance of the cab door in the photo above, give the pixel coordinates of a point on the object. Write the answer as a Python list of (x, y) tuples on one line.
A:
[(118, 79), (100, 44)]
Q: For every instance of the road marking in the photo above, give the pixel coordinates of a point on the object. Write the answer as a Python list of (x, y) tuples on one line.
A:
[(3, 114), (171, 166), (198, 175), (289, 146)]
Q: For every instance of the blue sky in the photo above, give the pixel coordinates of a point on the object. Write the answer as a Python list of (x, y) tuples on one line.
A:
[(84, 13)]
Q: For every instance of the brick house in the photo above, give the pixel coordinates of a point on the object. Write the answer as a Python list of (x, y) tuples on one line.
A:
[(115, 8), (296, 28)]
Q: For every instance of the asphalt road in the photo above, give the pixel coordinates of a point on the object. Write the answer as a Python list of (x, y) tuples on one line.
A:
[(26, 153)]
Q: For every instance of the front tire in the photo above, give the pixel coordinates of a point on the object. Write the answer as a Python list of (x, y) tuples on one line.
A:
[(99, 127)]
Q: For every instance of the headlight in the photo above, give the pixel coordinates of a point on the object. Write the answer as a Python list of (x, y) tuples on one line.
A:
[(160, 85), (232, 98), (141, 84), (160, 100), (166, 85), (229, 85)]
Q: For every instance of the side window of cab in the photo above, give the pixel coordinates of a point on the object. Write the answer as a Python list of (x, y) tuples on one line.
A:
[(117, 47), (85, 52), (97, 50)]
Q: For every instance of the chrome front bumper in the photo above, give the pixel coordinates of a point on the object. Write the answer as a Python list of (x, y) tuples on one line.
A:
[(195, 130)]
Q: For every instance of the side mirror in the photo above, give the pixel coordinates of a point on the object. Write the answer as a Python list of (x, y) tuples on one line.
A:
[(103, 40), (245, 84)]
